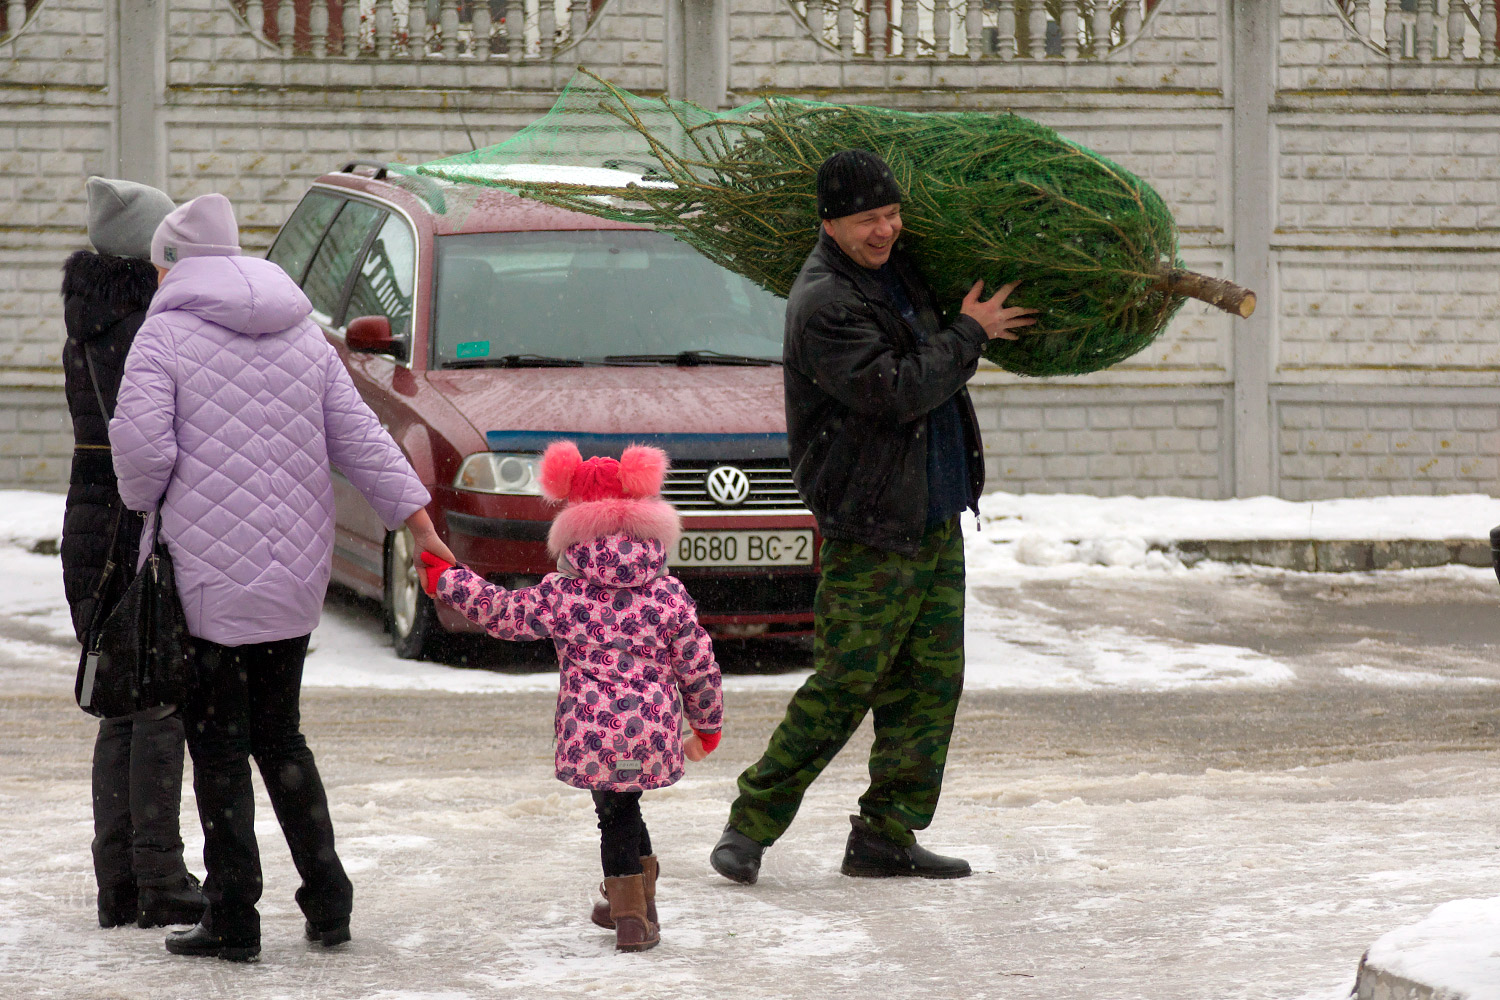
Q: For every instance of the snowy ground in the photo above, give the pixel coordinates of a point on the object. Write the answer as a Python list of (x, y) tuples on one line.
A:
[(1194, 783)]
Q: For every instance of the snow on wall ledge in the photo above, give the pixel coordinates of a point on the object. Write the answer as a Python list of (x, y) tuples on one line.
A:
[(1450, 955)]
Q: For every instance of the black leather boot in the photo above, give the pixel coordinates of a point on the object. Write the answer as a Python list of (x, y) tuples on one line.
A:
[(117, 906), (869, 855), (329, 937), (200, 942), (182, 903), (737, 857)]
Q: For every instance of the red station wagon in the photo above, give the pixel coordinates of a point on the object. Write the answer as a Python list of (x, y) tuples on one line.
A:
[(480, 326)]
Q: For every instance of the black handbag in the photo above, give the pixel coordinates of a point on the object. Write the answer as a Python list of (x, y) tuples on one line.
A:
[(135, 657)]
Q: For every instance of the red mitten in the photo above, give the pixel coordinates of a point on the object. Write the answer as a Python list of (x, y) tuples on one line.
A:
[(710, 741), (432, 568)]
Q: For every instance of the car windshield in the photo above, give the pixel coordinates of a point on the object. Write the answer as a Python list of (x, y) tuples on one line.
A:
[(613, 296)]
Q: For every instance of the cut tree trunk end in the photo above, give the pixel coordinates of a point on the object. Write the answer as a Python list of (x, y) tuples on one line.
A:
[(1226, 295)]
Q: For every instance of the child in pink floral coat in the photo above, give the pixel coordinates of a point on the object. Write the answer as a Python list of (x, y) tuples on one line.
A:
[(632, 657)]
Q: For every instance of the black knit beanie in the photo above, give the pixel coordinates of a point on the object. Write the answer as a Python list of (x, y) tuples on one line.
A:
[(855, 180)]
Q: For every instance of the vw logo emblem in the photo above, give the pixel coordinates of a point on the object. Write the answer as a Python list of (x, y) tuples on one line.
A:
[(728, 485)]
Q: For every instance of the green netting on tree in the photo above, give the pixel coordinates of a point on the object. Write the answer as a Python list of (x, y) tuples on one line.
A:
[(989, 196)]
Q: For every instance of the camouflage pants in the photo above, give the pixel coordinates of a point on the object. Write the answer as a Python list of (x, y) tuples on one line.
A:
[(889, 640)]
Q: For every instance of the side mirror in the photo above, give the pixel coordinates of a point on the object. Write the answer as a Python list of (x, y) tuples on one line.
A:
[(372, 335)]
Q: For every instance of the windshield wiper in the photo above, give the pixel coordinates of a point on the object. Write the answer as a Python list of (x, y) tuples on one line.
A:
[(689, 359), (515, 361)]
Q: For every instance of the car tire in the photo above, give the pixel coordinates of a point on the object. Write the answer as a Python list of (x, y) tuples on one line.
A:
[(410, 616)]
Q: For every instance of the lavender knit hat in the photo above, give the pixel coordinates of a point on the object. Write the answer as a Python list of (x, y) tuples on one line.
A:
[(204, 227)]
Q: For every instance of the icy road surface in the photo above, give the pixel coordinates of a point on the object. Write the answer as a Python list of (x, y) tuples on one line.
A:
[(1195, 784)]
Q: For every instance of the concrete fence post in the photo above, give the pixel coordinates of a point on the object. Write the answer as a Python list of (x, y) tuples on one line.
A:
[(1253, 87), (696, 51), (138, 75)]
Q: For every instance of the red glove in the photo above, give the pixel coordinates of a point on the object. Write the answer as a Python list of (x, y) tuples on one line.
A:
[(710, 741), (432, 568)]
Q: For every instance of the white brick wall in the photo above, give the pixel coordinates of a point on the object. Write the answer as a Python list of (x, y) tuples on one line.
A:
[(54, 132), (60, 33), (1141, 441), (1349, 316), (1388, 241), (1319, 52), (265, 168), (1373, 173), (36, 439), (1384, 339), (1182, 157), (1372, 448)]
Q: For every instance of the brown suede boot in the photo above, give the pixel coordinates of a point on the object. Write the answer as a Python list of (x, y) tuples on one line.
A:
[(649, 870), (627, 908)]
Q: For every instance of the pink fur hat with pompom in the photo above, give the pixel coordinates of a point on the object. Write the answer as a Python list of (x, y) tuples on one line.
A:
[(607, 497)]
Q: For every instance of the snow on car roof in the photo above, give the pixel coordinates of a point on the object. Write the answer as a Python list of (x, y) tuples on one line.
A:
[(455, 205), (542, 173), (476, 174)]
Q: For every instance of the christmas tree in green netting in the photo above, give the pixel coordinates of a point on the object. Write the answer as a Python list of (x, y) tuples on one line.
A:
[(988, 196)]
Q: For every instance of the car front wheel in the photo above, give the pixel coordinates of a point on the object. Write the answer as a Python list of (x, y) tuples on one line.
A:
[(409, 613)]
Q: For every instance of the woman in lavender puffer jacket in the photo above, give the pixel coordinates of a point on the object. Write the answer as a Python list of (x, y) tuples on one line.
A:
[(232, 408)]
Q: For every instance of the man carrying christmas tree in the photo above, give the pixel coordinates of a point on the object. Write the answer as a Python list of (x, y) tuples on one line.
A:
[(886, 453)]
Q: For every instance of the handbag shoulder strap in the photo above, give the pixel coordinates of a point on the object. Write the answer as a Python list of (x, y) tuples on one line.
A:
[(88, 359), (110, 565), (108, 413), (112, 552)]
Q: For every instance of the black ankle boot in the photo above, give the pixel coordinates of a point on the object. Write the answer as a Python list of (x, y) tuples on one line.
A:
[(159, 906), (330, 936), (869, 855), (200, 942), (737, 857), (117, 906)]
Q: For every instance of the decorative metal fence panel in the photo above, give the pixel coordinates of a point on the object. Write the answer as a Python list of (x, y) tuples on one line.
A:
[(1425, 30), (1068, 30), (13, 16), (428, 29)]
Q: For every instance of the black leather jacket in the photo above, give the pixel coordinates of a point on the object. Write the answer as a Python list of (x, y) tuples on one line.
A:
[(859, 386)]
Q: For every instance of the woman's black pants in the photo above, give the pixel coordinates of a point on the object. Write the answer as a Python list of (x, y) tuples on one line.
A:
[(623, 839), (246, 705)]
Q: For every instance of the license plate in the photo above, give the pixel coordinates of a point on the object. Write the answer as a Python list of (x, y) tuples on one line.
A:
[(743, 548)]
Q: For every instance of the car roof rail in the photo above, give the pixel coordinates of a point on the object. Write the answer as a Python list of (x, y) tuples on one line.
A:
[(381, 167), (424, 187)]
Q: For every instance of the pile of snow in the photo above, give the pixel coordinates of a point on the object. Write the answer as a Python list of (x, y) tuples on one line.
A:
[(1041, 530), (1455, 950), (1054, 530), (1011, 645), (30, 520)]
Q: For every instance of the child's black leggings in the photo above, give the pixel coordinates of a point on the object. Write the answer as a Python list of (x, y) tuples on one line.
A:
[(623, 839)]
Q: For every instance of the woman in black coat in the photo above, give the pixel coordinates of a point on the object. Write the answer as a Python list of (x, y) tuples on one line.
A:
[(137, 759)]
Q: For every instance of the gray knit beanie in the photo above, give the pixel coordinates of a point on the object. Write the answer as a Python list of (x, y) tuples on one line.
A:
[(123, 215), (203, 227)]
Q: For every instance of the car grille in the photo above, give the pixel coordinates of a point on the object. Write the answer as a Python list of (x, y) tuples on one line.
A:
[(771, 488)]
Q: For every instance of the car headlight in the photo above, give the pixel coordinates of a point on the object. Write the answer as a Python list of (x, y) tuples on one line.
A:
[(500, 472)]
